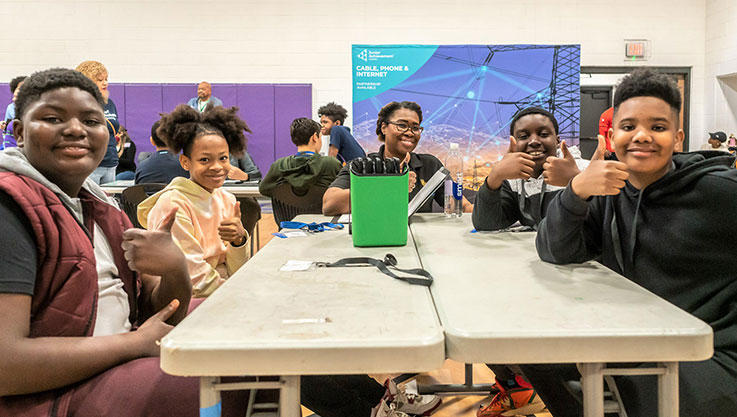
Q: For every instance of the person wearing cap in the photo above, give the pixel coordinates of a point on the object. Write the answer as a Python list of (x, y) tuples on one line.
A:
[(717, 142)]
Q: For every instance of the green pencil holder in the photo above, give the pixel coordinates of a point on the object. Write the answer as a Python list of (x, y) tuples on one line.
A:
[(379, 204)]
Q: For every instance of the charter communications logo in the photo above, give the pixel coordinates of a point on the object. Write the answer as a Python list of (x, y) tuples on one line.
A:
[(367, 55)]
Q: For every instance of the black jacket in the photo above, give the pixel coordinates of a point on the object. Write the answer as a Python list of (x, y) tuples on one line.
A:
[(677, 237)]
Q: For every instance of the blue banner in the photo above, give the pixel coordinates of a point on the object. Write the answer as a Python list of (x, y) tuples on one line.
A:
[(468, 94), (380, 68)]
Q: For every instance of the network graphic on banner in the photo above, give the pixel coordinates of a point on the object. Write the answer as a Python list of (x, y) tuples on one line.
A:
[(468, 94)]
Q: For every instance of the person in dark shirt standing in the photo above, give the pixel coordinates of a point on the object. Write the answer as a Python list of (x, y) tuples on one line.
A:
[(97, 72), (161, 167), (342, 144)]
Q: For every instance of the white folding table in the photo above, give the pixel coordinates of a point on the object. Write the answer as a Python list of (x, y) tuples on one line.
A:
[(247, 189), (499, 303), (264, 321)]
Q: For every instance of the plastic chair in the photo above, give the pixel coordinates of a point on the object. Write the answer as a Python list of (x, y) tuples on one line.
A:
[(288, 205), (250, 215), (133, 195)]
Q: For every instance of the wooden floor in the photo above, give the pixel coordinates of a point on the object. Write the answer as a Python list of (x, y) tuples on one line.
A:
[(451, 372)]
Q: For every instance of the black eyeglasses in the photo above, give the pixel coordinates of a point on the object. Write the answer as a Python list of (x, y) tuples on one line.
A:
[(403, 127)]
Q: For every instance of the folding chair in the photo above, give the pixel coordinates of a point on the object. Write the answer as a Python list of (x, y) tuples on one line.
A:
[(287, 204)]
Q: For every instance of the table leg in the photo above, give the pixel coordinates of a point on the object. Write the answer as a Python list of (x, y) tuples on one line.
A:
[(592, 381), (210, 405), (289, 399), (668, 390)]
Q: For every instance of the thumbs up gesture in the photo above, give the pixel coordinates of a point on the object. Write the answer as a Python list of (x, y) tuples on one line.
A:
[(231, 229), (601, 150), (559, 171), (513, 165), (153, 251), (600, 177)]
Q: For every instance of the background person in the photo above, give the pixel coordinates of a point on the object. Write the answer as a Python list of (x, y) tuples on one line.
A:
[(307, 167), (126, 156), (717, 142), (204, 98), (6, 125), (97, 72), (162, 166), (342, 144)]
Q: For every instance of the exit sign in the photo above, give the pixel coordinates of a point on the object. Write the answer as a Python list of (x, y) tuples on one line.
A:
[(636, 49)]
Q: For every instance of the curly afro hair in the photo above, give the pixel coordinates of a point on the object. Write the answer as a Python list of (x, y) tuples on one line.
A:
[(180, 128), (386, 112), (532, 110), (52, 79), (647, 82), (15, 82), (334, 112)]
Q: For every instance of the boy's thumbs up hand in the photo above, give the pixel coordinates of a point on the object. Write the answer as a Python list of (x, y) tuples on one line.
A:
[(600, 178), (512, 145), (513, 165), (231, 230), (559, 171), (600, 151), (153, 251)]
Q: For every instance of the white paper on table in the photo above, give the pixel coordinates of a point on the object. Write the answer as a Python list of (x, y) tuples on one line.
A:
[(293, 265)]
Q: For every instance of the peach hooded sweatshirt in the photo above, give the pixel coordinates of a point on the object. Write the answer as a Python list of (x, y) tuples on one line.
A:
[(210, 260)]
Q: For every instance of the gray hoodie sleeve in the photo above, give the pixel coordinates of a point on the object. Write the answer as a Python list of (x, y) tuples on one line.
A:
[(495, 209), (570, 233)]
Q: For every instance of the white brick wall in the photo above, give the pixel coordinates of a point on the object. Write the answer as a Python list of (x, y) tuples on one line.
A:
[(308, 41), (720, 90)]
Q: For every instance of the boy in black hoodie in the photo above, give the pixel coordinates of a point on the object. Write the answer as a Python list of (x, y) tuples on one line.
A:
[(655, 218)]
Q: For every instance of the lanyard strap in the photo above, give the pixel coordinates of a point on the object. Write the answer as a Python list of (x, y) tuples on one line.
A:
[(305, 153), (424, 278), (521, 200), (311, 227)]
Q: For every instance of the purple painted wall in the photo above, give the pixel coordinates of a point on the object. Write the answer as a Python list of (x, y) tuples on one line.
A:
[(267, 108)]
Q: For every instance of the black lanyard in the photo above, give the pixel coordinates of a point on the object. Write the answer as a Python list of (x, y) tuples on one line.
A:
[(383, 266), (523, 196)]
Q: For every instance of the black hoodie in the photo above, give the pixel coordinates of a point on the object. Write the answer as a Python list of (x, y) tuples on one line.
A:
[(676, 238)]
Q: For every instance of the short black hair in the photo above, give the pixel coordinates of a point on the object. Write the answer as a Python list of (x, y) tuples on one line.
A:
[(52, 79), (15, 81), (386, 112), (180, 128), (334, 112), (647, 82), (155, 136), (532, 110), (302, 130)]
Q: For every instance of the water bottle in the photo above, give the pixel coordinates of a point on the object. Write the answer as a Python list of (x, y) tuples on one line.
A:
[(454, 182)]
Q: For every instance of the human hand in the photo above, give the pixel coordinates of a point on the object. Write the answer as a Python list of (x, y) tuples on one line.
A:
[(514, 165), (600, 177), (154, 328), (153, 251), (236, 173), (412, 180), (231, 229), (559, 171), (2, 125)]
